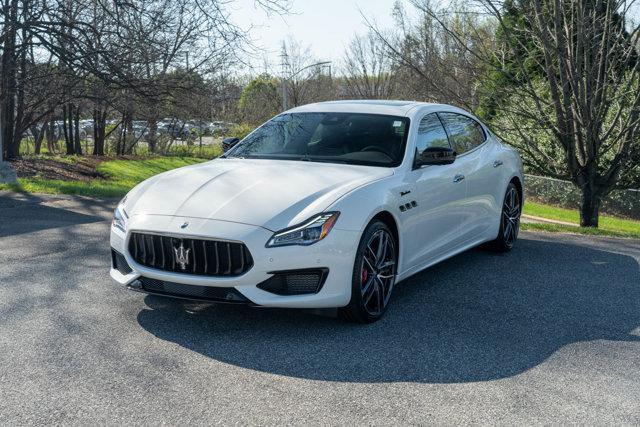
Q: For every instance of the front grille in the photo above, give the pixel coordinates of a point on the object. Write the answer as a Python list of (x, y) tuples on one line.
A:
[(190, 256), (206, 293), (295, 282), (119, 263)]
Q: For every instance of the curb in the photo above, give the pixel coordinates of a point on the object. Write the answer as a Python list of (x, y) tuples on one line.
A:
[(538, 219), (7, 174)]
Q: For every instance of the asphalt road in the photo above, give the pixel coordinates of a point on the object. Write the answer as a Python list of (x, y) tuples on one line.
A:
[(549, 333)]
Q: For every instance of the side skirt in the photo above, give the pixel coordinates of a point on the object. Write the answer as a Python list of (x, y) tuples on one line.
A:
[(417, 269)]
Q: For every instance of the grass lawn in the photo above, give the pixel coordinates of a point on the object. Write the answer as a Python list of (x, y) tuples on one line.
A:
[(119, 177), (608, 226)]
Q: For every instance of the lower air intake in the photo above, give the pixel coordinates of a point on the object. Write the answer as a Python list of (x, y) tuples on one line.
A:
[(119, 262), (295, 282), (201, 293)]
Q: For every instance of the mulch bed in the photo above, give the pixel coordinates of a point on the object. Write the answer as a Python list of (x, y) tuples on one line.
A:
[(83, 169)]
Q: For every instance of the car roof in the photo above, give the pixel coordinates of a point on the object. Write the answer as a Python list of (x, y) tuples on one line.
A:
[(371, 106)]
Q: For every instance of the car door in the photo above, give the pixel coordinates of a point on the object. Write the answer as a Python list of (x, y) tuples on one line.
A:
[(433, 228), (476, 160)]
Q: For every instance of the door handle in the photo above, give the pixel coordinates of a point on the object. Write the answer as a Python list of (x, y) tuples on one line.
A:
[(497, 163), (458, 178)]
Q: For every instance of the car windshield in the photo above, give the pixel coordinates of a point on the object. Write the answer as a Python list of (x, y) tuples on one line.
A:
[(353, 138)]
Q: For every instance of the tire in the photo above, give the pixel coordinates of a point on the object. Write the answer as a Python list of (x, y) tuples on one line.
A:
[(374, 275), (509, 220)]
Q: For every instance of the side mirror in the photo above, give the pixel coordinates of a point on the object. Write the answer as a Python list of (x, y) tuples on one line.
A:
[(435, 156), (227, 143)]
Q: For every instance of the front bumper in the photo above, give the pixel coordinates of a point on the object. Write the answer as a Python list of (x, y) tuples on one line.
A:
[(336, 253)]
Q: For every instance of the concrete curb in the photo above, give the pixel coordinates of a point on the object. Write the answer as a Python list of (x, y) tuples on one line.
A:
[(532, 218), (7, 174)]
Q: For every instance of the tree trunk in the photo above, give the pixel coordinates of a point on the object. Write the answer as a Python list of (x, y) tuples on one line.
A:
[(51, 135), (8, 78), (589, 207), (66, 130), (38, 136), (122, 135), (76, 131), (19, 125), (129, 135), (153, 135), (99, 125)]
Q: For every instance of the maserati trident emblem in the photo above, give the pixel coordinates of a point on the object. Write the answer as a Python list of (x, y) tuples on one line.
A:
[(181, 256), (184, 225)]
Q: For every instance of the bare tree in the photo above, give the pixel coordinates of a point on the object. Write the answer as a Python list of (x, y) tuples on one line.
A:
[(368, 68), (588, 99), (429, 62), (101, 46), (569, 84), (304, 75)]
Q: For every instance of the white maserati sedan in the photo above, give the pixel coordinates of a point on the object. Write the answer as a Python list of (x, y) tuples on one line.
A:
[(325, 205)]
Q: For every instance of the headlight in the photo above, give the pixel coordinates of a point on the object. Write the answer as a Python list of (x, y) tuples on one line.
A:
[(120, 217), (307, 233)]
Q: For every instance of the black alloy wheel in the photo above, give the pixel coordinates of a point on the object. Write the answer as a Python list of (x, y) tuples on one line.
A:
[(509, 220), (374, 274)]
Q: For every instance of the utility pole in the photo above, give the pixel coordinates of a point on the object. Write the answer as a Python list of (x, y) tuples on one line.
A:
[(288, 74), (285, 71), (186, 54)]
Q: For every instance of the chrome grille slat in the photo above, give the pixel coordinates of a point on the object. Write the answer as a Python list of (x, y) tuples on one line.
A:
[(173, 260), (143, 249), (153, 250), (215, 248), (204, 251), (195, 258), (205, 257)]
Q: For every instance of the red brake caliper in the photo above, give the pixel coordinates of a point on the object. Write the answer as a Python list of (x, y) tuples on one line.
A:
[(364, 274)]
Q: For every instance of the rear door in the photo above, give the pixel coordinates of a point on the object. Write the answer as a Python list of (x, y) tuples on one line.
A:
[(433, 224), (475, 158)]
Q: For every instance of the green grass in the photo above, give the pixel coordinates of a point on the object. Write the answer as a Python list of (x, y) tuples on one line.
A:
[(558, 228), (607, 225), (121, 176)]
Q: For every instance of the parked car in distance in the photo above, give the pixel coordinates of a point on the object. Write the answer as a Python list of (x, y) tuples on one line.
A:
[(325, 205)]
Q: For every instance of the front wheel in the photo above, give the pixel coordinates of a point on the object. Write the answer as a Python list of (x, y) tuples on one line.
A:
[(509, 220), (374, 275)]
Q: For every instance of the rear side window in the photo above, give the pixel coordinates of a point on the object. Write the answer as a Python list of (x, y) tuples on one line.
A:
[(464, 132), (431, 133)]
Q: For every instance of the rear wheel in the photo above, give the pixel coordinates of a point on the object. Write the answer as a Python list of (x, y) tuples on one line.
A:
[(374, 275), (509, 220)]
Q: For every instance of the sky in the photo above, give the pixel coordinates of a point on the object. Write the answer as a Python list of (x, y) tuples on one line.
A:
[(326, 26)]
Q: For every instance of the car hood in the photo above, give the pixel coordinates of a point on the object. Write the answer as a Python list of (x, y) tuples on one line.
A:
[(273, 194)]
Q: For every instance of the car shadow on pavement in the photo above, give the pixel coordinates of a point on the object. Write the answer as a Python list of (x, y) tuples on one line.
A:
[(476, 317), (26, 213)]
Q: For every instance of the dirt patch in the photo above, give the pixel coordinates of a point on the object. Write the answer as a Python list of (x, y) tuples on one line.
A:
[(72, 169)]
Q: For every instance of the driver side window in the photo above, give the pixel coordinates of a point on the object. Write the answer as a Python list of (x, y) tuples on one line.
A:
[(431, 134)]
